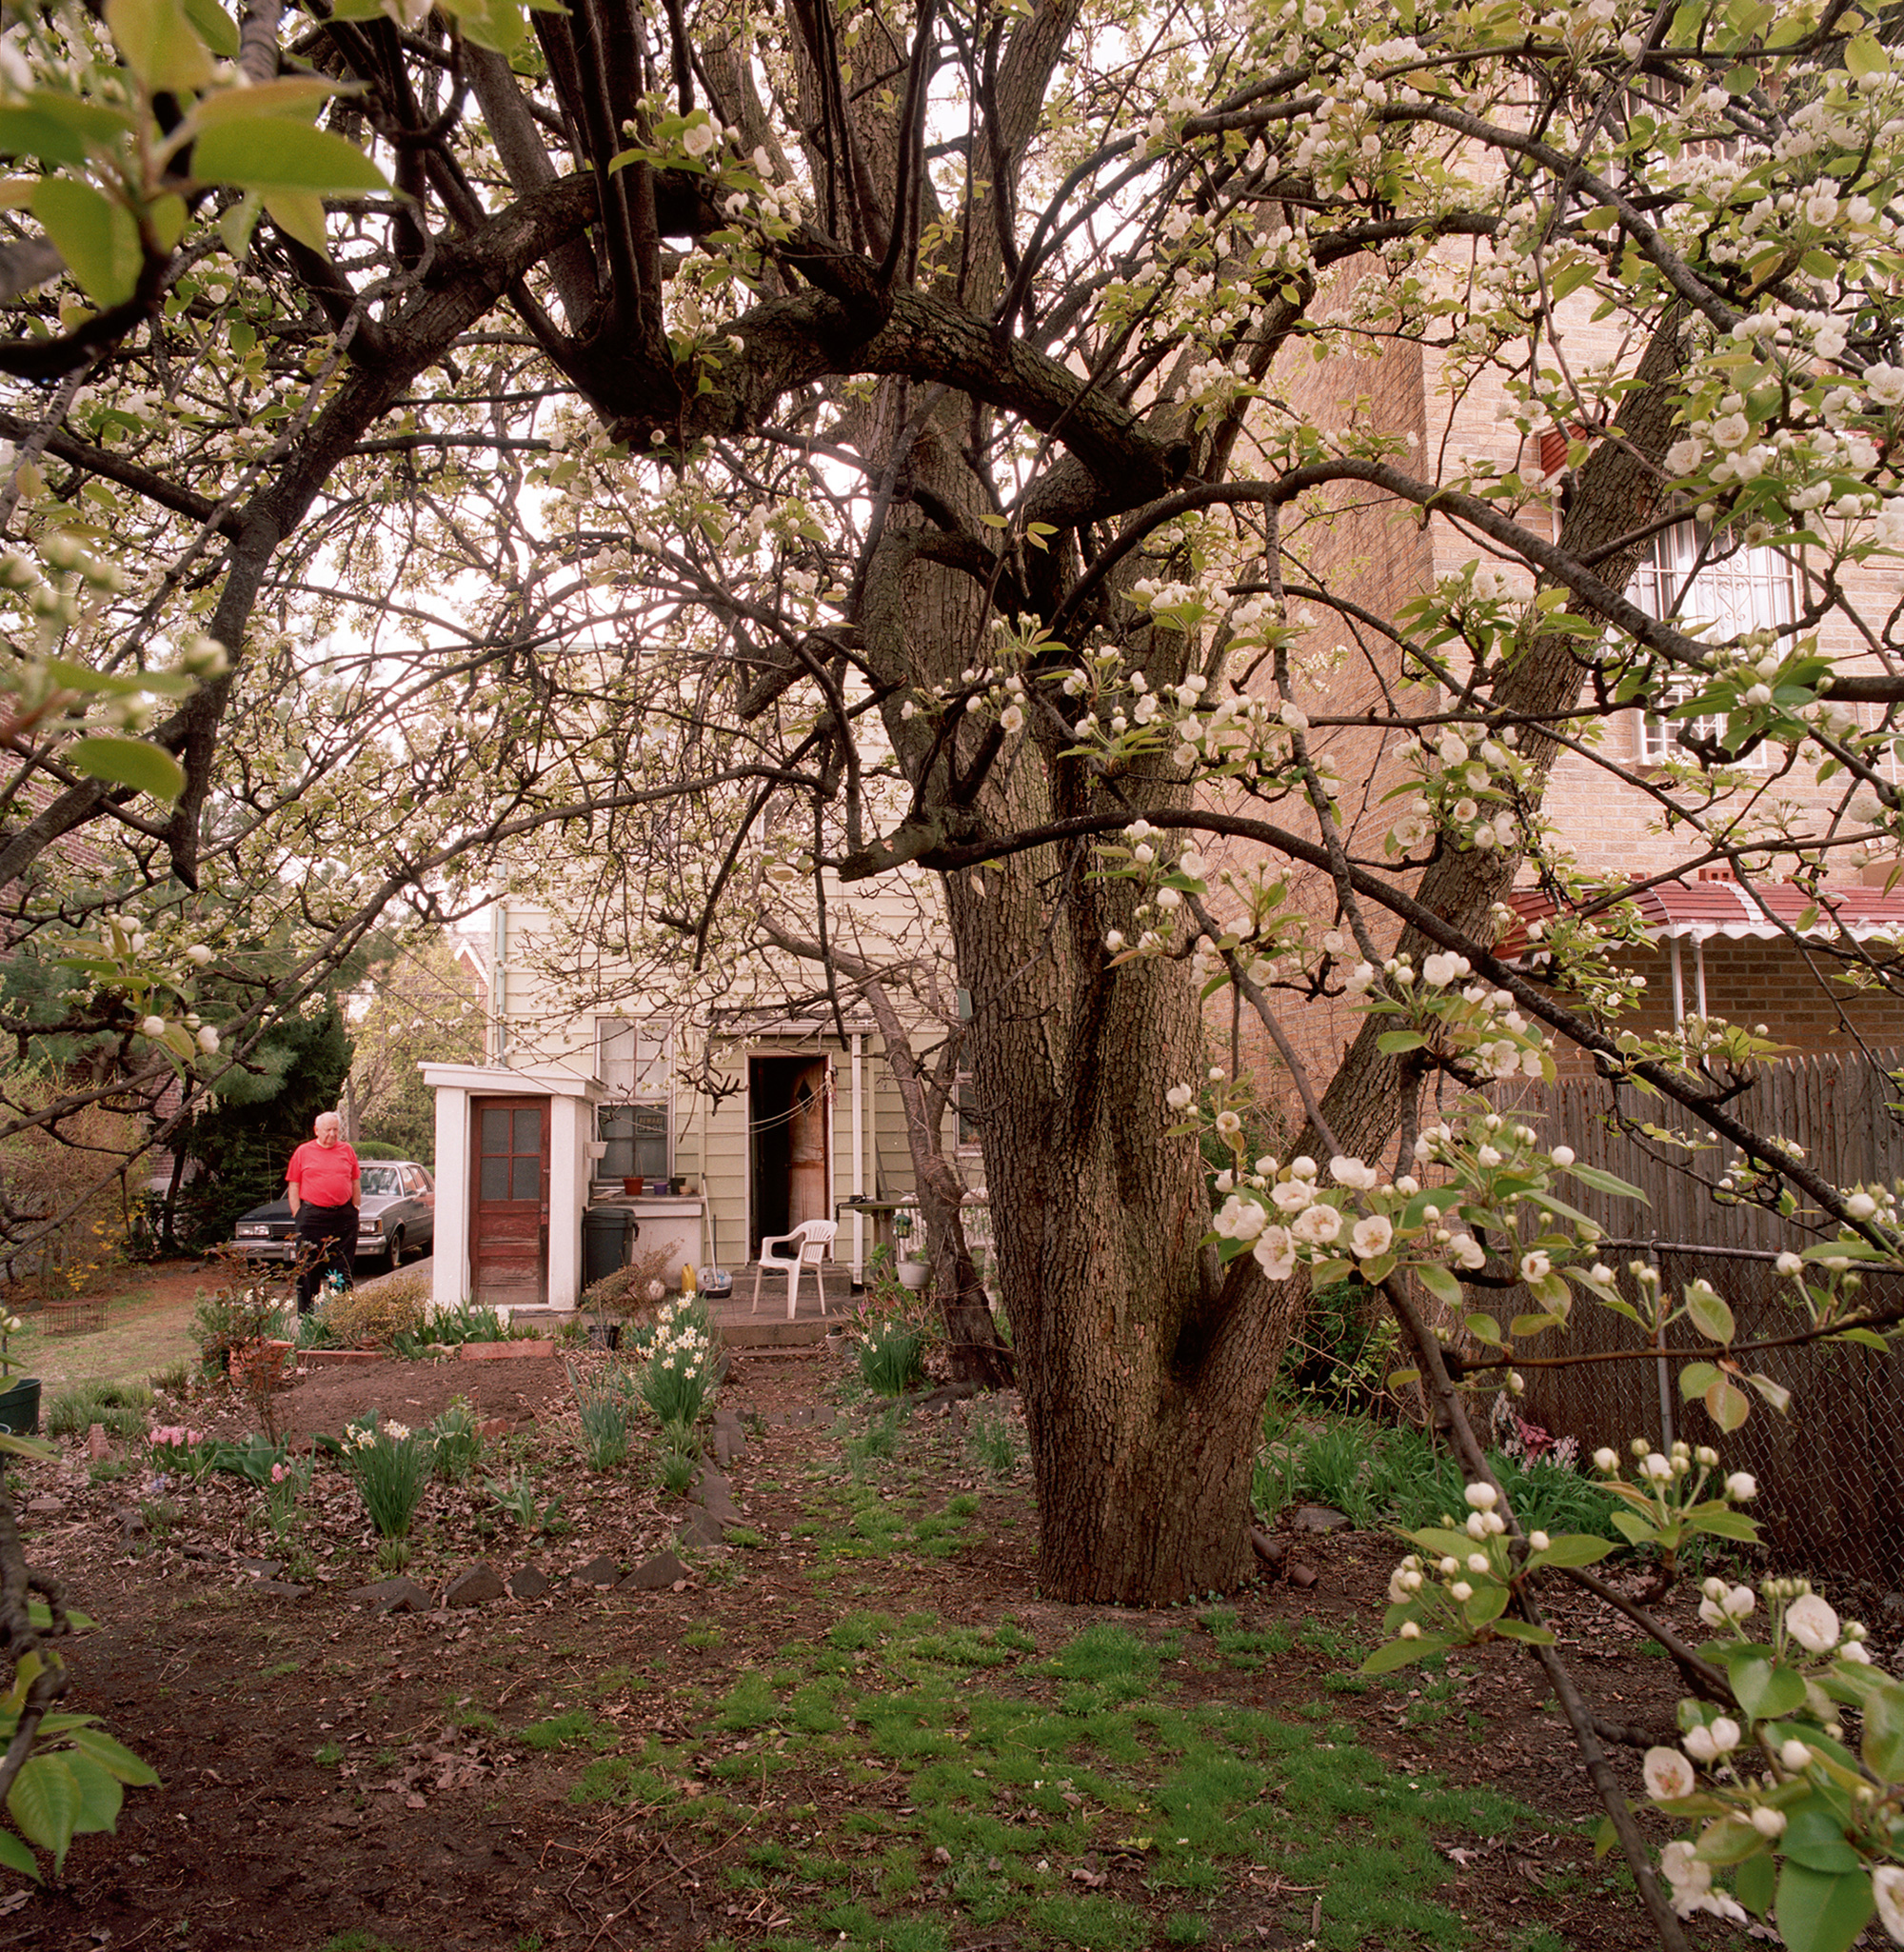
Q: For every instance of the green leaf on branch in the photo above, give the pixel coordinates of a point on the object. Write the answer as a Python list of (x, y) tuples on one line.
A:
[(1764, 1689), (295, 98), (1728, 1841), (1607, 1183), (1819, 1912), (1386, 1658), (24, 132), (1865, 55), (1696, 1378), (116, 1757), (1883, 1748), (100, 1796), (1524, 1631), (300, 214), (493, 24), (16, 1857), (1728, 1407), (215, 29), (123, 762), (46, 1802), (1720, 1521), (275, 154), (1755, 1882), (1485, 1328), (97, 237), (1574, 1549), (1709, 1315), (160, 45), (1774, 1393), (1394, 1042), (1441, 1283), (1488, 1604)]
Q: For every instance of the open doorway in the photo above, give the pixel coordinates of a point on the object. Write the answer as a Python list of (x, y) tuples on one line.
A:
[(788, 1157)]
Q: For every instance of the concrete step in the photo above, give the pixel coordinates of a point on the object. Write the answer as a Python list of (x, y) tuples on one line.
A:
[(741, 1327)]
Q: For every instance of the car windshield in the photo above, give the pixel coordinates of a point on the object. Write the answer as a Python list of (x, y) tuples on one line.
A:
[(383, 1180)]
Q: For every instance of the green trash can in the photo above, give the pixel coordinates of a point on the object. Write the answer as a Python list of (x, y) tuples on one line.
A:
[(607, 1241), (20, 1406)]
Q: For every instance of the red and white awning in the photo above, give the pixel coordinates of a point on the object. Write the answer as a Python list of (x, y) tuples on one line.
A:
[(1698, 910)]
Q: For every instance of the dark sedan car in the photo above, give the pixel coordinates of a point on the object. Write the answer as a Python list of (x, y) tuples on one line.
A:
[(397, 1217)]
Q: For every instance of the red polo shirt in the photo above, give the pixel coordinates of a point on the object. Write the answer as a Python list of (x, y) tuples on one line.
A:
[(323, 1174)]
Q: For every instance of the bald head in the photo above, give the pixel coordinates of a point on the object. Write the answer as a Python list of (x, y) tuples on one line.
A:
[(327, 1128)]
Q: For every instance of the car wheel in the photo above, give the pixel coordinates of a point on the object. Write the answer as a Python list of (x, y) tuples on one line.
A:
[(396, 1249)]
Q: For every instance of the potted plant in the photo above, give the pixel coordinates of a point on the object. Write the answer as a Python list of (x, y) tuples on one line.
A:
[(912, 1270), (19, 1400)]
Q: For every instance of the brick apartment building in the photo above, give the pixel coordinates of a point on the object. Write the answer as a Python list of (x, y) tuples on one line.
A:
[(1733, 959)]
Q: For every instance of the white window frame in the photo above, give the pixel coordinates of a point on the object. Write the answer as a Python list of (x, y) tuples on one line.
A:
[(649, 1080), (1750, 588)]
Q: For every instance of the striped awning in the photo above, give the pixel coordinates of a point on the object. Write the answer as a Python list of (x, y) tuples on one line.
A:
[(1699, 909)]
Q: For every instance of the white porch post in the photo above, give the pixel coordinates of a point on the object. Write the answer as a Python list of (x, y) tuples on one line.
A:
[(450, 1263), (568, 1177), (858, 1159)]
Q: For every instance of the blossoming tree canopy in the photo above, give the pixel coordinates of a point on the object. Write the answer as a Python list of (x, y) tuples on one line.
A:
[(899, 436)]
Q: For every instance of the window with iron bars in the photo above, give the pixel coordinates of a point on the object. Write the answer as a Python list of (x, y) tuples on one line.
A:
[(1716, 589)]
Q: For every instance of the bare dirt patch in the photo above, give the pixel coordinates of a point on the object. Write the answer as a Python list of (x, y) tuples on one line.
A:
[(856, 1727)]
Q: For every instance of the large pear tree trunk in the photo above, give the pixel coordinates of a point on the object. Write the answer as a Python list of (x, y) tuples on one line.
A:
[(1142, 1372)]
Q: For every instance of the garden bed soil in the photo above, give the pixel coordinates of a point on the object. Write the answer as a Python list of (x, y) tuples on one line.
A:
[(581, 1769)]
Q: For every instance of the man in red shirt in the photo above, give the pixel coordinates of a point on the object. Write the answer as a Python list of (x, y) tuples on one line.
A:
[(326, 1184)]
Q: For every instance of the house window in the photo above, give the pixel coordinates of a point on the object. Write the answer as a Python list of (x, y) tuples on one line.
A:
[(632, 1061), (636, 1138), (964, 1101), (1715, 591)]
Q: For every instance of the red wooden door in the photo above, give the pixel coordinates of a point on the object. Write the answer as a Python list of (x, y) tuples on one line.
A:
[(509, 1240)]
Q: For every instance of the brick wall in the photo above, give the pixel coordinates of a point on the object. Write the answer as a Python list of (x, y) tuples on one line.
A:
[(1380, 555), (1754, 982)]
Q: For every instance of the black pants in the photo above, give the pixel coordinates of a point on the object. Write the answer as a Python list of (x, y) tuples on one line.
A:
[(332, 1230)]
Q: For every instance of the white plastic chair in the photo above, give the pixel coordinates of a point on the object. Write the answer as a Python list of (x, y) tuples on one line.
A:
[(811, 1241)]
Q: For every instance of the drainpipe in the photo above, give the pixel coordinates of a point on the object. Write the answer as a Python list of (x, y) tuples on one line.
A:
[(499, 949), (1679, 988), (1699, 969)]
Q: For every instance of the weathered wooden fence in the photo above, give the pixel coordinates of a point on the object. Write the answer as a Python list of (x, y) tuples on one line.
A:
[(1831, 1469)]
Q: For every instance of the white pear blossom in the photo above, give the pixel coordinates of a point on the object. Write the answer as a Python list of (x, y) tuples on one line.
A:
[(1274, 1253), (1813, 1623), (1371, 1236), (1668, 1775), (1887, 1886), (1241, 1219), (1318, 1225)]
